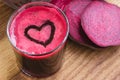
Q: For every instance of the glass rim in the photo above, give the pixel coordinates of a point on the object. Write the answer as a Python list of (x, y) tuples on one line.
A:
[(38, 3)]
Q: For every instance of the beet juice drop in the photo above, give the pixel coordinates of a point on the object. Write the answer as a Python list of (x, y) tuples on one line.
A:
[(38, 32)]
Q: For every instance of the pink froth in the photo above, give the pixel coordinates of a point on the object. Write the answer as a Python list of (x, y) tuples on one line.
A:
[(37, 15)]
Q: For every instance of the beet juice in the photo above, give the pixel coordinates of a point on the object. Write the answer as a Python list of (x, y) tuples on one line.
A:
[(38, 32)]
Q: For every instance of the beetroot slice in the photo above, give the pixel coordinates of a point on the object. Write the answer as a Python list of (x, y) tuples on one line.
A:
[(101, 23), (73, 12), (61, 3)]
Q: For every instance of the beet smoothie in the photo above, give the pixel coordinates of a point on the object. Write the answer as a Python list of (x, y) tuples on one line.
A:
[(38, 32)]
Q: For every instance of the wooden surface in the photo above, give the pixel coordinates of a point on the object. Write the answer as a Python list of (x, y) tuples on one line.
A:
[(80, 63)]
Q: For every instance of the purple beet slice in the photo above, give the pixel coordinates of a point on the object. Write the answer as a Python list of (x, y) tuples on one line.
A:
[(61, 3), (73, 12), (101, 22)]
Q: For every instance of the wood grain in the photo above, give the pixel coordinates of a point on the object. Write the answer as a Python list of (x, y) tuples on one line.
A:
[(116, 2), (80, 63)]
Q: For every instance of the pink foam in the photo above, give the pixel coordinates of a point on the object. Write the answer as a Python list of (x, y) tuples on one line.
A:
[(37, 15)]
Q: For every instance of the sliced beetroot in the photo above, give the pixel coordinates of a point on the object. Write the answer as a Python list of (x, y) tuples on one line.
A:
[(73, 12), (61, 3), (101, 22)]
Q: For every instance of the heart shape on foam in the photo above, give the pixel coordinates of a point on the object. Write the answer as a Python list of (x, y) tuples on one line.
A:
[(52, 32)]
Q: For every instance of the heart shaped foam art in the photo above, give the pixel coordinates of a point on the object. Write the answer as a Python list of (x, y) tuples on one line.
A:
[(44, 39), (46, 32)]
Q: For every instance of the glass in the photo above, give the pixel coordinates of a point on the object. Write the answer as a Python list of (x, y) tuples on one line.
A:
[(39, 65)]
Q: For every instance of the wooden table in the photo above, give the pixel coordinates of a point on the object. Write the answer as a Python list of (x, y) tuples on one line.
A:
[(80, 63)]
